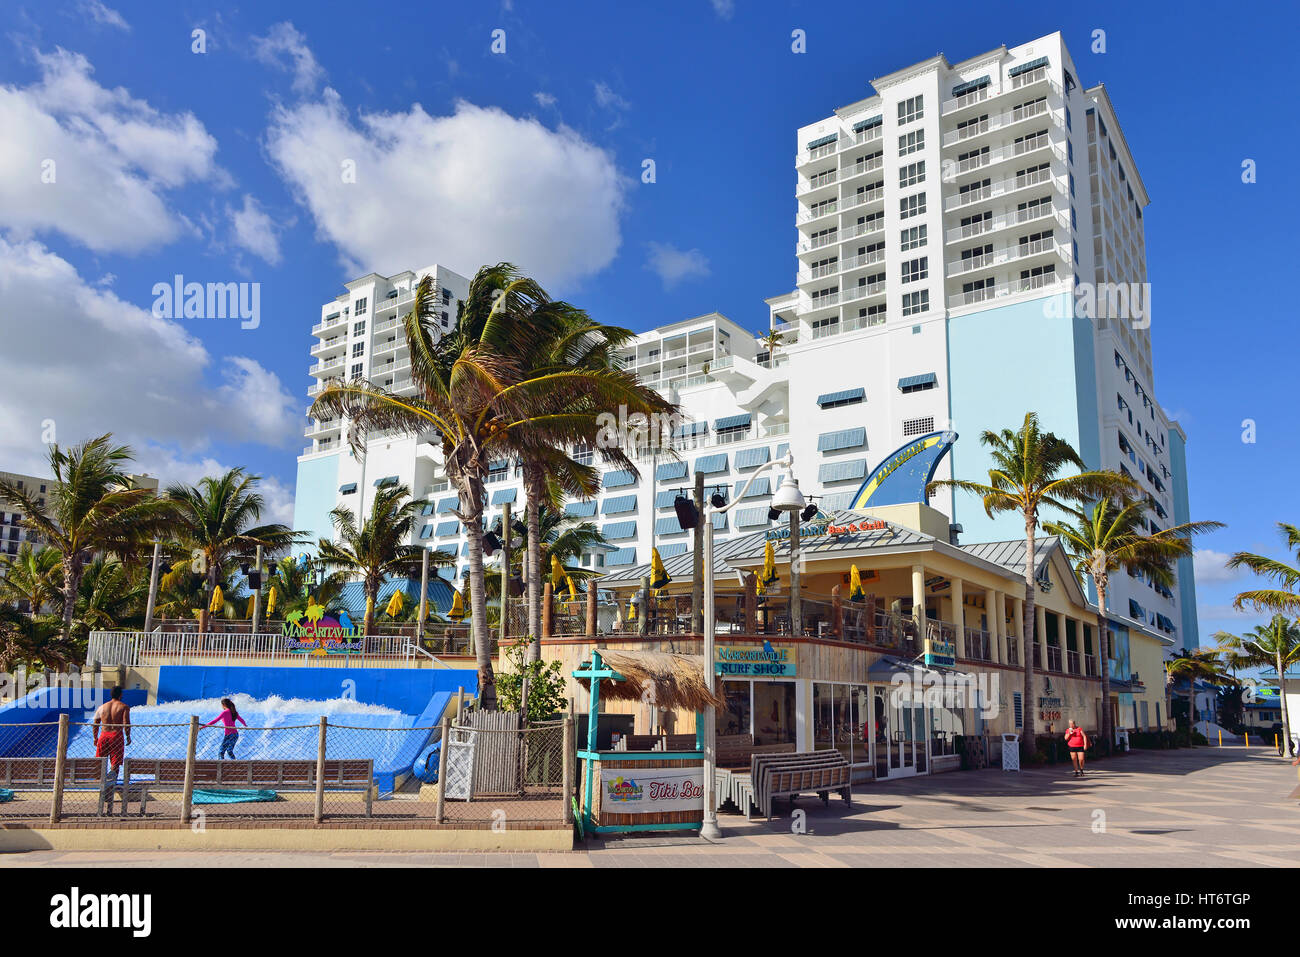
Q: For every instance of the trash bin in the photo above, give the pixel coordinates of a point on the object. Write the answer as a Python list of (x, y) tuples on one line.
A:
[(1010, 752), (1121, 741)]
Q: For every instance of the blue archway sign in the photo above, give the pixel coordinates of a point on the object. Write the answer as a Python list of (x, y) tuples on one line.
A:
[(903, 476)]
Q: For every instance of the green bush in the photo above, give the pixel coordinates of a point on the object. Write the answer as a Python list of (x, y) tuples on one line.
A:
[(545, 685)]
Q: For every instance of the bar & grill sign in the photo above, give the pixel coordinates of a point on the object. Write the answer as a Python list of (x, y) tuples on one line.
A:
[(651, 790)]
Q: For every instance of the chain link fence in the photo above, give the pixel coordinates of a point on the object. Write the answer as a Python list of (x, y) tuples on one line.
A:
[(319, 773)]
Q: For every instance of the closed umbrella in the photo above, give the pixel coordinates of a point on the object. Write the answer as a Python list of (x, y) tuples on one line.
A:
[(769, 565), (218, 601), (250, 607), (855, 584), (395, 604), (573, 592), (270, 601), (457, 612), (557, 574), (658, 575)]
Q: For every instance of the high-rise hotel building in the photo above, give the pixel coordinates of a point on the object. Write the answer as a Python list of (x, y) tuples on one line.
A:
[(969, 248)]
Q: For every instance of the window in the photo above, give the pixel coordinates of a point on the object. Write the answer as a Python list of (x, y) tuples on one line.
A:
[(918, 426), (359, 309), (833, 400), (971, 192), (912, 237), (974, 225), (913, 108), (911, 174), (359, 328), (914, 269), (911, 206), (825, 327), (916, 302), (971, 127), (973, 159), (911, 142), (917, 383), (977, 255), (356, 370), (872, 315), (358, 349)]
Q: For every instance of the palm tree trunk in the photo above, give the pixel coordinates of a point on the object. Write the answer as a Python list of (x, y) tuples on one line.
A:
[(471, 513), (533, 518), (1027, 707), (71, 582), (1286, 722), (209, 589), (1191, 710), (1103, 650), (369, 620)]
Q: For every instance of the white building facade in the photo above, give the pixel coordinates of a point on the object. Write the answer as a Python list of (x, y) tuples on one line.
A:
[(969, 248)]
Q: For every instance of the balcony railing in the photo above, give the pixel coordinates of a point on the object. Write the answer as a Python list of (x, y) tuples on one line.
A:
[(998, 257), (1001, 188), (996, 122)]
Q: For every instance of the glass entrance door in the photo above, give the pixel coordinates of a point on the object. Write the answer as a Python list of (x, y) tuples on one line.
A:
[(901, 741)]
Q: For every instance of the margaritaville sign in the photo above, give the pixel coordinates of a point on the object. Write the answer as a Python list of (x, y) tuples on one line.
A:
[(753, 661), (315, 633), (826, 527)]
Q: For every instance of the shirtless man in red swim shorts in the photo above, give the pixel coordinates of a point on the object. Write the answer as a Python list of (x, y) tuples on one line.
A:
[(115, 716)]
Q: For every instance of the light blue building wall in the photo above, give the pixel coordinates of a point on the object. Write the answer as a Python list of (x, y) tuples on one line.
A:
[(1189, 633), (317, 485), (1009, 360)]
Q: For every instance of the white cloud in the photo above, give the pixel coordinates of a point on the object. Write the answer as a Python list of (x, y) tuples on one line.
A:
[(544, 100), (475, 187), (1209, 568), (110, 158), (675, 265), (606, 97), (255, 231), (105, 15), (724, 8), (286, 49), (91, 362), (170, 468)]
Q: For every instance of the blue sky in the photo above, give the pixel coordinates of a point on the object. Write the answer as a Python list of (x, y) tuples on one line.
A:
[(223, 166)]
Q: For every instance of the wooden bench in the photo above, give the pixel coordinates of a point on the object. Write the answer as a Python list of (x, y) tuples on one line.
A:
[(735, 752), (39, 774), (789, 775), (168, 775)]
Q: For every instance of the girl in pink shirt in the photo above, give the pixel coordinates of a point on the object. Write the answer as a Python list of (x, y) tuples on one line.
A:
[(228, 718)]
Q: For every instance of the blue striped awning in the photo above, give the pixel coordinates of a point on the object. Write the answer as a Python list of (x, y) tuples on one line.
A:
[(671, 470), (671, 549), (752, 458), (732, 421), (426, 509), (843, 471), (619, 504), (761, 486), (618, 479), (823, 141), (621, 556), (912, 380), (668, 526), (666, 499), (1026, 67), (448, 528), (689, 429), (1136, 610), (385, 481), (447, 504), (843, 439), (580, 509), (844, 395), (450, 548), (708, 464), (977, 84), (748, 517), (869, 123), (615, 530), (426, 531), (348, 488), (719, 521), (503, 495)]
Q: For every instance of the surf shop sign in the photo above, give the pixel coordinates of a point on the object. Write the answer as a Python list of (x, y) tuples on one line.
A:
[(750, 661), (315, 633)]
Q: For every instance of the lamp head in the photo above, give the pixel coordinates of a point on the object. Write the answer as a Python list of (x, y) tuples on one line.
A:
[(788, 498)]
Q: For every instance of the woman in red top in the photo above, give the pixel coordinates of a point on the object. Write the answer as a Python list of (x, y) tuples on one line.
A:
[(228, 718), (1077, 741)]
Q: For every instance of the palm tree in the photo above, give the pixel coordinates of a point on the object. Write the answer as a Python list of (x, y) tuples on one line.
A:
[(1111, 536), (476, 398), (30, 577), (375, 549), (215, 521), (772, 340), (300, 583), (93, 506), (1195, 666), (1275, 645), (1026, 477), (109, 595)]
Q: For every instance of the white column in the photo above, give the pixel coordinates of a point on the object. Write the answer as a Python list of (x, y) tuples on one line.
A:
[(959, 616)]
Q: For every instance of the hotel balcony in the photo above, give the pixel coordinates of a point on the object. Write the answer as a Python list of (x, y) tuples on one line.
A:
[(995, 123), (329, 345), (322, 428), (1017, 253), (330, 322), (973, 198), (861, 169), (822, 211), (400, 300), (864, 198), (1016, 84), (1010, 220), (1027, 150), (821, 181), (1000, 290), (327, 367), (840, 266)]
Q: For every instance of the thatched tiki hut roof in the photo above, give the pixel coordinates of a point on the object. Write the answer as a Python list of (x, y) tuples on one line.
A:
[(675, 681)]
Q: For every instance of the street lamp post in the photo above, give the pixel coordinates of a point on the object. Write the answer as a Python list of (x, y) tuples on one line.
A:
[(788, 498), (153, 587)]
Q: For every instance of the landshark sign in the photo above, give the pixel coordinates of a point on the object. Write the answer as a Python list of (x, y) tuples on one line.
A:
[(903, 476)]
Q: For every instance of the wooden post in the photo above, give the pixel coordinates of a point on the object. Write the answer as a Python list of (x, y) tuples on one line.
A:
[(548, 592), (187, 791), (505, 575), (837, 613), (569, 754), (424, 597), (257, 594), (751, 603), (60, 769), (592, 594), (442, 768), (320, 773), (697, 559), (643, 622), (460, 702)]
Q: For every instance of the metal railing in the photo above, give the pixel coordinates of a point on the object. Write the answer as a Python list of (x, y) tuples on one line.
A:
[(133, 649)]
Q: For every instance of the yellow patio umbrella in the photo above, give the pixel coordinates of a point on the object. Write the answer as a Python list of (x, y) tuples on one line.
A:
[(218, 601), (658, 576), (270, 601), (395, 604), (573, 592), (557, 574), (760, 589), (855, 584), (251, 599), (631, 612), (769, 565), (457, 612)]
